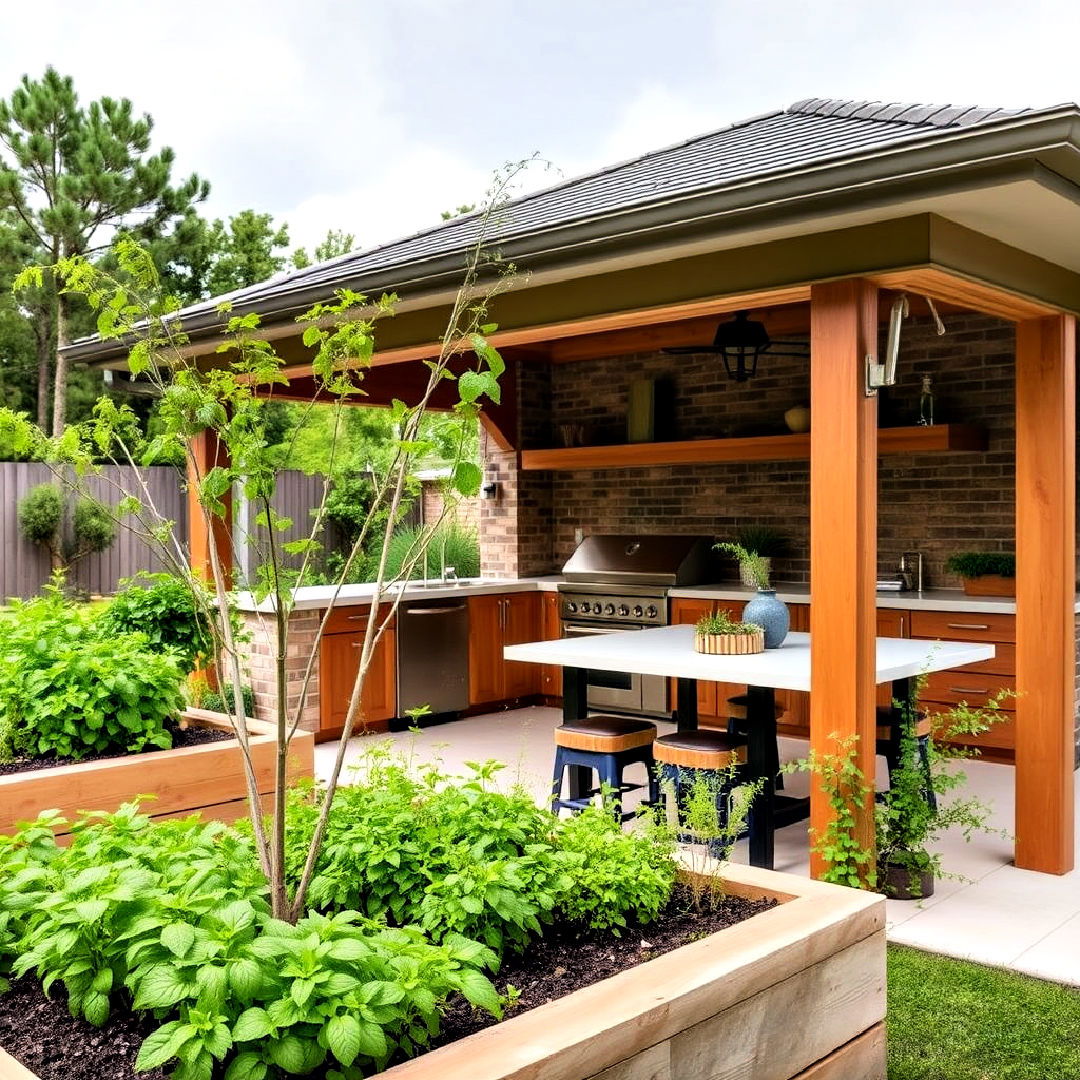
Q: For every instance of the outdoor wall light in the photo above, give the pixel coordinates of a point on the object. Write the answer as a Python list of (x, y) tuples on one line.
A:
[(740, 343), (880, 375)]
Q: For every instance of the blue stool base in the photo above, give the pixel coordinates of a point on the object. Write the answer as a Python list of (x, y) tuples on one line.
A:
[(609, 771)]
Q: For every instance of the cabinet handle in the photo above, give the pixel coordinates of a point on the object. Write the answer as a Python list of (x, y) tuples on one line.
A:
[(968, 690), (969, 626)]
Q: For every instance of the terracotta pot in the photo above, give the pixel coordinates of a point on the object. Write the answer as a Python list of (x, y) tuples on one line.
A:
[(900, 883), (730, 644), (990, 585)]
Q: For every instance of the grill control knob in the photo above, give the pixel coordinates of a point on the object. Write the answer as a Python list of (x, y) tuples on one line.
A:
[(651, 612), (584, 607), (571, 607), (609, 609), (624, 610), (637, 611)]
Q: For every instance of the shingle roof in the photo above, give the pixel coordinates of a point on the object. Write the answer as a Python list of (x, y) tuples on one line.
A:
[(809, 133)]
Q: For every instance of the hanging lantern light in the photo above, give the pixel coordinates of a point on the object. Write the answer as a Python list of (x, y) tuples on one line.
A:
[(740, 343)]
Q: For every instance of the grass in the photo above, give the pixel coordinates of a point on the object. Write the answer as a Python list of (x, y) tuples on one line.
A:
[(953, 1020)]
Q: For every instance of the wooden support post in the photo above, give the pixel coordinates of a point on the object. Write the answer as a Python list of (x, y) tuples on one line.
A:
[(208, 452), (843, 537), (1045, 591)]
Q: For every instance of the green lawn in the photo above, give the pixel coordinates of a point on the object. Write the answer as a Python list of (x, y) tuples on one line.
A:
[(951, 1020)]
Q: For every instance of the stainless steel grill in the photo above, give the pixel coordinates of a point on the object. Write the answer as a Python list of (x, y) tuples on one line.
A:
[(618, 583)]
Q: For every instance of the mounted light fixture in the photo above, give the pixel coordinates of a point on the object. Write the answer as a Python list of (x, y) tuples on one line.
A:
[(740, 343)]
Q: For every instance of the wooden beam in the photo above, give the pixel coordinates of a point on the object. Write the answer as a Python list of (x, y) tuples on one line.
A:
[(843, 538), (965, 293), (207, 452), (1045, 591)]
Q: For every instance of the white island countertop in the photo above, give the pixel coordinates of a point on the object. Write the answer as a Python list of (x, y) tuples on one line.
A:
[(669, 651)]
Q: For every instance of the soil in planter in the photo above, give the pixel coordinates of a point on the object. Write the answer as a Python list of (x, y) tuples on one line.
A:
[(190, 736), (41, 1034), (565, 961)]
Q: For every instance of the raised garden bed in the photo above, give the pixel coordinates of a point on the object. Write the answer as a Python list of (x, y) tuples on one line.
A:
[(206, 778), (797, 991)]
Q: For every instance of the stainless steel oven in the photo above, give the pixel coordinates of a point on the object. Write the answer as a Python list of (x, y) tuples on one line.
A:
[(616, 691)]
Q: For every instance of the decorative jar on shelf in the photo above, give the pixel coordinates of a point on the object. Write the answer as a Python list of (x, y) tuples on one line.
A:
[(771, 615)]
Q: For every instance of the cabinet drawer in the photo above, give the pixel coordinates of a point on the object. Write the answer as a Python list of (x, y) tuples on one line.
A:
[(1003, 663), (348, 618), (960, 626), (959, 684), (1000, 736)]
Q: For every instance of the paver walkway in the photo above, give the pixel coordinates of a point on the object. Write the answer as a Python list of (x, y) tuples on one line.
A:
[(1000, 915)]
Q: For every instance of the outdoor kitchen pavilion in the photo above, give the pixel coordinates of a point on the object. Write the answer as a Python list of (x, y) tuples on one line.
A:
[(814, 218)]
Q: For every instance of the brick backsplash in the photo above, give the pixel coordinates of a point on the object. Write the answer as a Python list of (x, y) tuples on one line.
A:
[(934, 503)]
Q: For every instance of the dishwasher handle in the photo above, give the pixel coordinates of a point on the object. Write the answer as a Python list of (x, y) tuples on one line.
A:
[(434, 610)]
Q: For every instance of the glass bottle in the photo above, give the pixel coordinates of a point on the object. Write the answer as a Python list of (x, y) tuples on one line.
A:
[(926, 403)]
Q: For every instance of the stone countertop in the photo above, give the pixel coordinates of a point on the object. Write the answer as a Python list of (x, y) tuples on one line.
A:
[(315, 597)]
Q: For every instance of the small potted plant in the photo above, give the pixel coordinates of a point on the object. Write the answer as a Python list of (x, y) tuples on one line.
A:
[(915, 810), (765, 542), (985, 573), (765, 609), (721, 635)]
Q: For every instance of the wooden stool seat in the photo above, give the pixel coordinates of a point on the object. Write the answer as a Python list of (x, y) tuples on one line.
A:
[(700, 749), (736, 707), (605, 734)]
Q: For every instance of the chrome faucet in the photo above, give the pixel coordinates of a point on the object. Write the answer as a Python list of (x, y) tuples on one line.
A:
[(911, 570)]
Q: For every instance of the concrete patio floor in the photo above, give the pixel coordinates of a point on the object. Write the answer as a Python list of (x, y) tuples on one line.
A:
[(997, 915)]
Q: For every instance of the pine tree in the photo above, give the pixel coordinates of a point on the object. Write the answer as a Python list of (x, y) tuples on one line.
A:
[(336, 242), (70, 177)]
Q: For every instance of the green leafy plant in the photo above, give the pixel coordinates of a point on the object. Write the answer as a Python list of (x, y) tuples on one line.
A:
[(847, 860), (41, 521), (68, 689), (756, 566), (449, 544), (762, 540), (916, 809), (972, 564), (623, 877), (163, 609), (203, 696), (722, 623)]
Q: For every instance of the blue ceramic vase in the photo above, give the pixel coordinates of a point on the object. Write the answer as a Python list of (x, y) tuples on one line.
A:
[(771, 615)]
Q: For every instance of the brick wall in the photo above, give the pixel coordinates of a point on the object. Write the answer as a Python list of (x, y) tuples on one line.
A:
[(262, 649), (934, 503)]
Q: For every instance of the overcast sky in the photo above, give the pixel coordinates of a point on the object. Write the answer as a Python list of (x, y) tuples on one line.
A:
[(373, 117)]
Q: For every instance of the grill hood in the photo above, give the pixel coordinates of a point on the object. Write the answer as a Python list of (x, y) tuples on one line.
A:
[(642, 560)]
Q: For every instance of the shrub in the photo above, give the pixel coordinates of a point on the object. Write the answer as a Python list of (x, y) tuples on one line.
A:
[(40, 513), (462, 551), (163, 609), (68, 689), (204, 697), (971, 564)]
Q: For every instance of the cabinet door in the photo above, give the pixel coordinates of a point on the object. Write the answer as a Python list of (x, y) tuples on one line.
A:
[(725, 690), (683, 612), (485, 649), (339, 664), (890, 623), (551, 630), (521, 623)]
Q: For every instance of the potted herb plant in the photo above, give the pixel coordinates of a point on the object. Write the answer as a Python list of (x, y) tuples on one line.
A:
[(916, 809), (761, 540), (985, 573), (721, 635), (765, 609)]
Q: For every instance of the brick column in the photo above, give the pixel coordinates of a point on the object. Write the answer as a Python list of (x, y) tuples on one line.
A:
[(261, 669)]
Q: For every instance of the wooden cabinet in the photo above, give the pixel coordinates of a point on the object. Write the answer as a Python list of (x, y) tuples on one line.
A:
[(685, 611), (494, 622), (550, 630), (339, 663)]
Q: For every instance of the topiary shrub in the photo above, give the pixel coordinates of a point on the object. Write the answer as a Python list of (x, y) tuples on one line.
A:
[(972, 564), (41, 521)]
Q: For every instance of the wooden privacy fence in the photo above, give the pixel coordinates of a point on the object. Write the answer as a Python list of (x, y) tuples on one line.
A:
[(24, 567)]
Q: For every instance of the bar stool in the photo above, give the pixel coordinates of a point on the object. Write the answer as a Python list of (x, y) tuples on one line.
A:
[(712, 752), (887, 745), (606, 745)]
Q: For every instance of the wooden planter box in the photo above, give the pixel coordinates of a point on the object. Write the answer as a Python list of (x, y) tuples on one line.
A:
[(990, 585), (730, 644), (796, 993), (208, 779)]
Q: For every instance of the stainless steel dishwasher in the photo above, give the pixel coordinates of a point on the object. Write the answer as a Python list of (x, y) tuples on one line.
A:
[(433, 656)]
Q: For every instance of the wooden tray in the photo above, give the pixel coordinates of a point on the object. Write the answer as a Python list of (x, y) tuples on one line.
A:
[(730, 644)]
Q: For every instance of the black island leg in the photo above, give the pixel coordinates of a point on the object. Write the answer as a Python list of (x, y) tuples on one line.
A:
[(576, 707), (686, 704), (763, 764)]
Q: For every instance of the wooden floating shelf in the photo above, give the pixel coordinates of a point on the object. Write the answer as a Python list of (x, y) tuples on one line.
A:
[(899, 440)]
